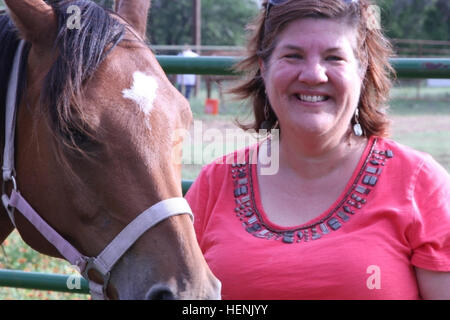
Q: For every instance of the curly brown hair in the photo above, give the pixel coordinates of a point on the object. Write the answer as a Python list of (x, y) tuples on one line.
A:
[(373, 53)]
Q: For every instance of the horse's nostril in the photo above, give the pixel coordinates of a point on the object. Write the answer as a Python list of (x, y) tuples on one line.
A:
[(160, 292)]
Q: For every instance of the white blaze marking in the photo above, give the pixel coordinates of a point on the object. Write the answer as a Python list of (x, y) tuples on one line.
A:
[(143, 91)]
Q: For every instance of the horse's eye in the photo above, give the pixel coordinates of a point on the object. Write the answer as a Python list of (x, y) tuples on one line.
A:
[(80, 138), (81, 142)]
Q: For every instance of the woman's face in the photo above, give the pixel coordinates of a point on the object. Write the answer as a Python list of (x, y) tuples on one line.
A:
[(313, 80)]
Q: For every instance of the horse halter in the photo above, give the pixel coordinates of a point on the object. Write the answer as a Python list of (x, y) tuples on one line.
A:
[(106, 260)]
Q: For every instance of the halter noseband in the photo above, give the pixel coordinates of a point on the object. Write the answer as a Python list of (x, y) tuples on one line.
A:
[(106, 260)]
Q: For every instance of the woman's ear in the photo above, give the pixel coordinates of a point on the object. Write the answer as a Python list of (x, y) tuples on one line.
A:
[(34, 19)]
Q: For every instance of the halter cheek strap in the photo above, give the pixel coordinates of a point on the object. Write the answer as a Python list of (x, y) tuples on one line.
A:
[(106, 260), (10, 128)]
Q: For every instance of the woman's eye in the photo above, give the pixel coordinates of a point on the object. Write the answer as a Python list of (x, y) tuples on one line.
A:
[(335, 58), (293, 56)]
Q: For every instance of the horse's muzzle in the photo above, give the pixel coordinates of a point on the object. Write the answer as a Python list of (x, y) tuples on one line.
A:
[(160, 292), (164, 292)]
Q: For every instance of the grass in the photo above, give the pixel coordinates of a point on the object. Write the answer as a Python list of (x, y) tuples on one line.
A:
[(421, 93), (17, 255), (406, 107), (421, 124)]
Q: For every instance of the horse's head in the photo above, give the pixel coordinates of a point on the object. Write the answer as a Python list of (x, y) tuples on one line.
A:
[(96, 145)]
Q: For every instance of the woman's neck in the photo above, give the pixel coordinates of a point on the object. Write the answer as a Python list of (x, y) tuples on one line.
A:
[(316, 157)]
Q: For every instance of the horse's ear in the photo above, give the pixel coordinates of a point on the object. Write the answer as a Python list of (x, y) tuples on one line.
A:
[(135, 12), (34, 19)]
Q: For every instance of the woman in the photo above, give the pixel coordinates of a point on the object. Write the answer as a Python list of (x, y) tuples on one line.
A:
[(349, 214)]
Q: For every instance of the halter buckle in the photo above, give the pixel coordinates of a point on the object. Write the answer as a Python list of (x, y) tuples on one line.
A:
[(12, 178), (93, 265), (5, 198)]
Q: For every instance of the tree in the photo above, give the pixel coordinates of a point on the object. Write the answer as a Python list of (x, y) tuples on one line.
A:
[(170, 22), (416, 19), (223, 22), (106, 3), (436, 23)]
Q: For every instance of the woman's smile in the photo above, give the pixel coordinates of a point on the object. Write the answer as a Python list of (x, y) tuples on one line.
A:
[(310, 98)]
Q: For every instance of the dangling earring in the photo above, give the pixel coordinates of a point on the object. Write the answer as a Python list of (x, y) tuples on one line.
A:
[(357, 129)]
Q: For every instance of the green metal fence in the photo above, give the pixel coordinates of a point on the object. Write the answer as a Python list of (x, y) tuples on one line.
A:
[(405, 68)]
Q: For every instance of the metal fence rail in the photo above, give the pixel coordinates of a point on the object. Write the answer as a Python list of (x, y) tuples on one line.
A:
[(42, 281), (405, 68), (422, 68)]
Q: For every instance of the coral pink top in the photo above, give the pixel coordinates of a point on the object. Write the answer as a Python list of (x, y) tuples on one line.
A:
[(393, 215)]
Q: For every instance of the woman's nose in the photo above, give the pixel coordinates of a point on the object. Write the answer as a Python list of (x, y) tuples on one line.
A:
[(312, 74)]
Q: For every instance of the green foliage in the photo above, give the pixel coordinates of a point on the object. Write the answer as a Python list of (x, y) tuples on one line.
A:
[(223, 22), (437, 19), (171, 22), (15, 254), (105, 3), (416, 19)]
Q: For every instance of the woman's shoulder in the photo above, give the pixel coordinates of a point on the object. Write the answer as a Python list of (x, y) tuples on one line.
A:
[(410, 160)]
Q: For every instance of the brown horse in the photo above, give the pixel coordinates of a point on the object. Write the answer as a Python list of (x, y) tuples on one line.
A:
[(94, 143)]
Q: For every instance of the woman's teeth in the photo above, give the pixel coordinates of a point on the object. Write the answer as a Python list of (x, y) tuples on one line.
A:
[(306, 98)]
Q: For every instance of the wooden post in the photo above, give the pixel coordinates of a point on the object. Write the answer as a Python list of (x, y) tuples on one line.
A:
[(197, 34)]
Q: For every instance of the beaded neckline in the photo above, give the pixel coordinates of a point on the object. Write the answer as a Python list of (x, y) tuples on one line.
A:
[(354, 199)]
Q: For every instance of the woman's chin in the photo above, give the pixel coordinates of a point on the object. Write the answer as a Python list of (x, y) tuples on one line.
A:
[(311, 128)]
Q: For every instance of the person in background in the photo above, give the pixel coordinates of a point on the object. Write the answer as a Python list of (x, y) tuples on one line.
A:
[(186, 81), (350, 213)]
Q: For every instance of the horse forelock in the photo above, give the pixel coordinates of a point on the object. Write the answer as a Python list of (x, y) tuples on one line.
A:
[(80, 51)]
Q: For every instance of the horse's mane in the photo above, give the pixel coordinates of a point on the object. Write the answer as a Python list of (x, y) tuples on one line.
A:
[(80, 51)]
